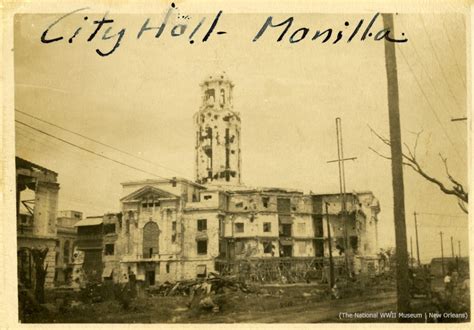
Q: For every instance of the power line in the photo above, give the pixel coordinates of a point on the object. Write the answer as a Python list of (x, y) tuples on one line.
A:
[(71, 200), (23, 132), (443, 215), (433, 85), (90, 151), (438, 61), (429, 103), (433, 213), (96, 141), (454, 54)]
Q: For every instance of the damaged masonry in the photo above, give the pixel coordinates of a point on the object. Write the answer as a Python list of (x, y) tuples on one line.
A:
[(176, 229)]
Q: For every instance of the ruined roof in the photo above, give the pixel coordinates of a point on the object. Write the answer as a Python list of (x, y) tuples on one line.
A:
[(219, 76), (153, 181), (146, 190), (348, 193), (89, 221), (249, 189), (23, 163)]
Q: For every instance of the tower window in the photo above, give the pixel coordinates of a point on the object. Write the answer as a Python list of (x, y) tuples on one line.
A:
[(210, 95), (222, 97)]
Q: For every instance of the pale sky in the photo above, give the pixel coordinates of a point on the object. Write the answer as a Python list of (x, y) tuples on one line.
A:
[(142, 98)]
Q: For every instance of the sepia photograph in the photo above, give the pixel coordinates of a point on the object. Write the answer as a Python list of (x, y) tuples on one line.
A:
[(177, 163)]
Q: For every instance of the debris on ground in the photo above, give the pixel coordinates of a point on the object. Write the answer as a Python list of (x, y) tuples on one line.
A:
[(213, 283)]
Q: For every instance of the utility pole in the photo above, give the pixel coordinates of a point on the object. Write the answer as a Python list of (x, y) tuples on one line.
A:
[(403, 291), (452, 248), (442, 252), (342, 188), (411, 253), (342, 184), (459, 249), (416, 238), (331, 263)]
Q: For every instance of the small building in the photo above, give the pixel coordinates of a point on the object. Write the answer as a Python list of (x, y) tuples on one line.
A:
[(36, 205), (90, 242), (112, 225), (65, 244)]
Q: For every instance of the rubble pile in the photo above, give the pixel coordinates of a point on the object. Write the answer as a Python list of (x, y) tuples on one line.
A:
[(213, 283)]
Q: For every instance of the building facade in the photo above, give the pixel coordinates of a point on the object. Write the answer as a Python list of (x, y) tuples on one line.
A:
[(90, 243), (353, 228), (176, 229), (112, 225), (37, 202)]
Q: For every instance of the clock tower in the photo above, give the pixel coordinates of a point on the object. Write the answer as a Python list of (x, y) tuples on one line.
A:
[(218, 158)]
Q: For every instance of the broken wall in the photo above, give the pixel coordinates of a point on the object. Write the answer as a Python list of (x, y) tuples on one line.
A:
[(50, 259), (192, 234), (369, 207), (45, 209)]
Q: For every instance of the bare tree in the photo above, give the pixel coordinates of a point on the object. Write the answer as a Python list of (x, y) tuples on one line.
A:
[(454, 188)]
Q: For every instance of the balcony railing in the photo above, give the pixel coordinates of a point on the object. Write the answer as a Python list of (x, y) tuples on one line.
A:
[(141, 257), (92, 237)]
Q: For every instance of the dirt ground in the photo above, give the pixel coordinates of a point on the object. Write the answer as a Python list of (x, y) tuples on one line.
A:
[(303, 303), (267, 303)]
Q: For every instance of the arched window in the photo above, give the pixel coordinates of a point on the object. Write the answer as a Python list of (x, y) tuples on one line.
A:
[(210, 96), (66, 253), (151, 235)]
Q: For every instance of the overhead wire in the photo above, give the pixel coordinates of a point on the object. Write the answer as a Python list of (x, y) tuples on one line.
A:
[(91, 151), (430, 42), (96, 141), (430, 104), (454, 54)]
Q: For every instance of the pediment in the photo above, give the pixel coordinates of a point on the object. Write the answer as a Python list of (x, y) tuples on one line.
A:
[(148, 193)]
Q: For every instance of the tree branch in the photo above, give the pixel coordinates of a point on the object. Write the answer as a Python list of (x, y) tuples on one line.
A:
[(410, 160)]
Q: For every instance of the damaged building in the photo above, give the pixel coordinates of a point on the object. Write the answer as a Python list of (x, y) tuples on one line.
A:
[(176, 229), (96, 247), (36, 209), (65, 244)]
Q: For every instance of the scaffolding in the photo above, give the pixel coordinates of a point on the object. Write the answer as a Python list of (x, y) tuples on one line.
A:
[(281, 270)]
